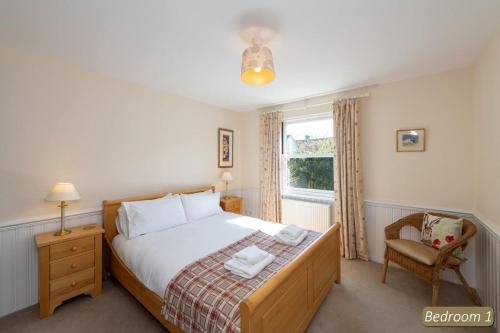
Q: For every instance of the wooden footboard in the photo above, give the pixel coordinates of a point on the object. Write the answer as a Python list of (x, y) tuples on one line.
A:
[(289, 300), (285, 303)]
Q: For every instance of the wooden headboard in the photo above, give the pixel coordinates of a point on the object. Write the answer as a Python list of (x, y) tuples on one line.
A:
[(110, 208)]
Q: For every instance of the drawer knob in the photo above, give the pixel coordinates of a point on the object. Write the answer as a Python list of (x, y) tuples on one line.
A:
[(73, 265), (73, 248), (73, 283)]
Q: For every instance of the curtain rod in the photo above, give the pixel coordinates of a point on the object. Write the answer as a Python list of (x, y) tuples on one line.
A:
[(307, 106)]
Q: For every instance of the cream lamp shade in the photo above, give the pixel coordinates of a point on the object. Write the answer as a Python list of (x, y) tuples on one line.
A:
[(226, 176), (257, 66), (63, 192)]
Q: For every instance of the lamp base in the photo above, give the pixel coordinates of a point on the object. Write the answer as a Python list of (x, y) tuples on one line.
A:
[(62, 232)]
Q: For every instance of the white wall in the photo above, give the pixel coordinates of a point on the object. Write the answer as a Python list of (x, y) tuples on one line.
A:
[(438, 177), (250, 149), (487, 135), (114, 138), (111, 138), (441, 176)]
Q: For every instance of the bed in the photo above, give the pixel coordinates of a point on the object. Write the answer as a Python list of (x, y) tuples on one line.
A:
[(285, 302)]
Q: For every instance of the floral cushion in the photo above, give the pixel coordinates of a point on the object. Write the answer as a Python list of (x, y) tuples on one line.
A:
[(438, 231)]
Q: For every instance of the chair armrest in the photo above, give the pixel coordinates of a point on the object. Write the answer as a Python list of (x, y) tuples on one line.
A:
[(446, 251), (450, 247), (392, 231)]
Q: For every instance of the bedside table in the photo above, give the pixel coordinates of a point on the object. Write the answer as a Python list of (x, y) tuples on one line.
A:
[(232, 204), (69, 265)]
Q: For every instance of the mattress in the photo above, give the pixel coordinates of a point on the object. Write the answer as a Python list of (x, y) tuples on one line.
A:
[(156, 258)]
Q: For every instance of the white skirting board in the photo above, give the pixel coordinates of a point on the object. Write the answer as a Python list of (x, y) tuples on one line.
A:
[(19, 258)]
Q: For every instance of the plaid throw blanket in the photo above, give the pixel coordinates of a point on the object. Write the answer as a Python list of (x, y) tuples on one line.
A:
[(205, 297)]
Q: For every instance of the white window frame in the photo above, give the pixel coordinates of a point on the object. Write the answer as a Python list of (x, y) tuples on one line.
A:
[(295, 191)]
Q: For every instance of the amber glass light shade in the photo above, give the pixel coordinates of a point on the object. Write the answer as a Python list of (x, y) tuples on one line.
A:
[(257, 67)]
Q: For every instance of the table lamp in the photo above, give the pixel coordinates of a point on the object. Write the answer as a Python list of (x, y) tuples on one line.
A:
[(63, 192), (226, 176)]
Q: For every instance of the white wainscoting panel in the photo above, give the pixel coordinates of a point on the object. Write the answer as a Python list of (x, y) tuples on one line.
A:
[(309, 215), (251, 200), (487, 262), (19, 259)]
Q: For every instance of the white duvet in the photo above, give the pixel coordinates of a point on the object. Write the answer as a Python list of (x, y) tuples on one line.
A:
[(155, 258)]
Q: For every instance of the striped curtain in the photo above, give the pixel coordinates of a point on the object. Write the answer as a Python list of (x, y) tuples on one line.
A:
[(270, 152), (348, 182)]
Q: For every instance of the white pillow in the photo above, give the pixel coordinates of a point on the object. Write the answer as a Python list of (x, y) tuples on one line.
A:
[(122, 219), (200, 205), (122, 222), (141, 217)]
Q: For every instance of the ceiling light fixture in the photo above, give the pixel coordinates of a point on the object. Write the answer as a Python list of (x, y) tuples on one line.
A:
[(257, 66)]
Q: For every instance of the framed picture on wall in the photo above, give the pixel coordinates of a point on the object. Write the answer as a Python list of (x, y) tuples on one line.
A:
[(410, 140), (226, 141)]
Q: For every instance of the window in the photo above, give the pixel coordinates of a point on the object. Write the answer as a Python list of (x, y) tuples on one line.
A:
[(307, 156)]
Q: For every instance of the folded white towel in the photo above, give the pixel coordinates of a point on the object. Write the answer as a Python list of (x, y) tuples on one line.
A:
[(284, 239), (248, 271), (292, 231), (250, 255)]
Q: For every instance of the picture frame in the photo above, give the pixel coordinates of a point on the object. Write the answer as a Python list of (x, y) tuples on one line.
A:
[(410, 140), (226, 144)]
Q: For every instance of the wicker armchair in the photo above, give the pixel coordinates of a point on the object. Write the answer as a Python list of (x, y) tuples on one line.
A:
[(424, 261)]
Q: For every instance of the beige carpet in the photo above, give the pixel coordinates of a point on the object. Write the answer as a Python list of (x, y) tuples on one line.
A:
[(360, 304)]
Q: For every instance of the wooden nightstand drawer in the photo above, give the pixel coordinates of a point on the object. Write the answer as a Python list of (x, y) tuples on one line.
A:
[(233, 206), (71, 265), (70, 248), (71, 282)]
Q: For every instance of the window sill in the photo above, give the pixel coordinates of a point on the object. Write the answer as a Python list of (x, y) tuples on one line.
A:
[(309, 198)]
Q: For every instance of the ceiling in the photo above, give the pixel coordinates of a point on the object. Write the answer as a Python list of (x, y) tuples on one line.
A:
[(193, 48)]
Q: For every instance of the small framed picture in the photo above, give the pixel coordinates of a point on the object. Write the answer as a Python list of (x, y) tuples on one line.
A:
[(410, 140), (226, 141)]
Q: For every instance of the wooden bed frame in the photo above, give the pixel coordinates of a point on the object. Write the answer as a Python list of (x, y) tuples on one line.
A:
[(285, 303)]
